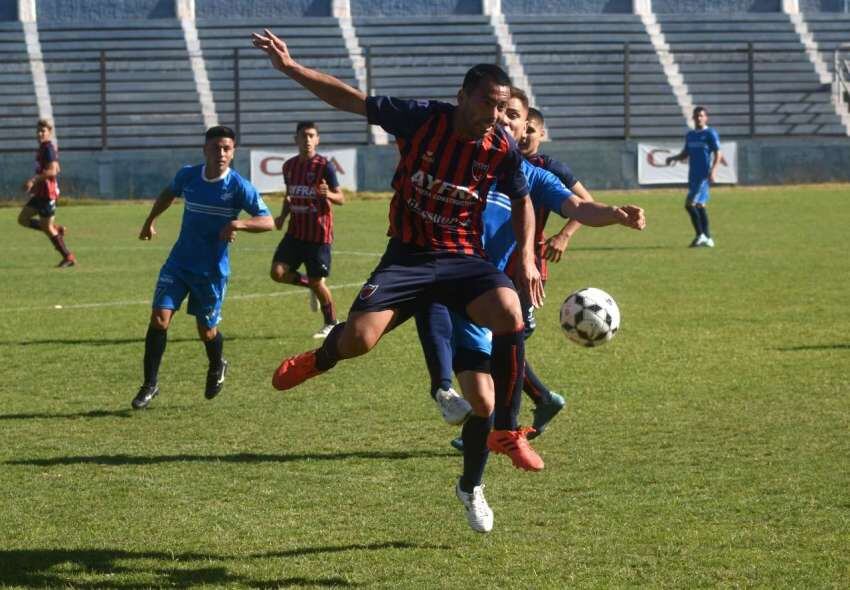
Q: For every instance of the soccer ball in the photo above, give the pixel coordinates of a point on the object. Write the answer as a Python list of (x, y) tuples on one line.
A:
[(590, 317)]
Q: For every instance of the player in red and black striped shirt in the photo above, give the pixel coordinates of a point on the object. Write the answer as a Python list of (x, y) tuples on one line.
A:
[(43, 189), (311, 188), (450, 156)]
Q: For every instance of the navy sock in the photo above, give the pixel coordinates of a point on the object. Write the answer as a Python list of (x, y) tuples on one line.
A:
[(34, 224), (299, 280), (155, 341), (534, 387), (703, 217), (695, 218), (434, 326), (59, 244), (475, 452), (328, 354), (329, 313), (215, 349), (508, 369)]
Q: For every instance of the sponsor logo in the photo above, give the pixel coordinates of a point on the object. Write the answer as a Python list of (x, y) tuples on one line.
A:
[(367, 291), (479, 169), (427, 185)]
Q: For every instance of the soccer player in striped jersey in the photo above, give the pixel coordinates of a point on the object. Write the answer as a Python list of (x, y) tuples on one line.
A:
[(43, 189), (311, 189), (199, 262), (450, 156)]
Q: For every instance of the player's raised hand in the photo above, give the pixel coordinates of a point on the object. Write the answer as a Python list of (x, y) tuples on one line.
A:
[(148, 232), (631, 216), (323, 189), (275, 48)]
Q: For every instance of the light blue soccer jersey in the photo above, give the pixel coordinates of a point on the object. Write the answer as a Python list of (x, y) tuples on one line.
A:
[(700, 144), (209, 205)]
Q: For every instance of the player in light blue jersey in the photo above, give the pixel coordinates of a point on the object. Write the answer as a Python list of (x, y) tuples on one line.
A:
[(199, 264), (451, 342), (702, 150)]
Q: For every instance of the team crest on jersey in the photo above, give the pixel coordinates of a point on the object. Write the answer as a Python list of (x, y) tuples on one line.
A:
[(367, 291), (226, 196), (311, 177), (479, 169)]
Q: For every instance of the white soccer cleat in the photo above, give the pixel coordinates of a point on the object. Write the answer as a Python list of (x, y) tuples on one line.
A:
[(323, 333), (708, 243), (453, 407), (314, 302), (700, 240), (478, 512)]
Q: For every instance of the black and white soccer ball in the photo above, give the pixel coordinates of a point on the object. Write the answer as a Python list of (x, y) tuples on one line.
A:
[(590, 317)]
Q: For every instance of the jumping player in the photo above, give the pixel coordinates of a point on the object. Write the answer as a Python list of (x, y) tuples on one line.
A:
[(702, 149), (199, 263), (43, 190), (311, 188)]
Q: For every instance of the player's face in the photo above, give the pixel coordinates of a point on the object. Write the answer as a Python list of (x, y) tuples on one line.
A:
[(701, 120), (307, 140), (480, 109), (534, 134), (43, 134), (514, 118), (218, 153)]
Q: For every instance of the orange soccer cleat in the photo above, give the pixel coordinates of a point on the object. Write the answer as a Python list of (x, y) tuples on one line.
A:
[(514, 444), (295, 370)]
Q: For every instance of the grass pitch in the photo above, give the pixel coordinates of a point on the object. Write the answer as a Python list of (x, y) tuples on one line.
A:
[(707, 446)]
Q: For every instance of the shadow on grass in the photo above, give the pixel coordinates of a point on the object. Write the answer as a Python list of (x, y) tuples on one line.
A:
[(838, 346), (345, 548), (117, 341), (235, 458), (99, 568), (71, 415)]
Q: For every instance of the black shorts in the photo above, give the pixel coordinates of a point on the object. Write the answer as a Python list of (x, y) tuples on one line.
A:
[(293, 252), (46, 208), (408, 279)]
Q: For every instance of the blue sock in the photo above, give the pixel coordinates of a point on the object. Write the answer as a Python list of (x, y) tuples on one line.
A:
[(434, 326), (703, 218), (475, 452), (534, 387), (695, 218), (155, 341), (508, 368), (215, 349)]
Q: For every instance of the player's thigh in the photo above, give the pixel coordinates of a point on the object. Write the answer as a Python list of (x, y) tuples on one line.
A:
[(363, 330), (288, 254), (206, 297), (697, 193), (170, 291), (27, 212), (498, 309), (317, 261)]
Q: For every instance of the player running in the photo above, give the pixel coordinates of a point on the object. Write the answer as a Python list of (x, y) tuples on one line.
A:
[(199, 263), (43, 190), (451, 341), (311, 189), (700, 143)]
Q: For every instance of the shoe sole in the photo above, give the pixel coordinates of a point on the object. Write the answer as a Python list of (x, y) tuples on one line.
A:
[(145, 405)]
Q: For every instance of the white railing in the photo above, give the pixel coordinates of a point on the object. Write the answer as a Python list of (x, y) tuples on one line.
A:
[(841, 69)]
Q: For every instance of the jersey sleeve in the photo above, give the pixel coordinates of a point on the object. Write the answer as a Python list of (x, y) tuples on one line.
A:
[(547, 190), (48, 153), (330, 176), (511, 181), (714, 141), (562, 171), (252, 202), (180, 180), (398, 116)]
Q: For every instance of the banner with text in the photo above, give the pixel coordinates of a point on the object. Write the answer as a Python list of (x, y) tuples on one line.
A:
[(652, 168), (267, 168)]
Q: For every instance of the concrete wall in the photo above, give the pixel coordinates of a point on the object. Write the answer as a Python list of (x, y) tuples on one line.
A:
[(519, 7), (408, 8), (8, 10), (599, 164), (697, 7), (95, 11), (261, 8), (822, 6)]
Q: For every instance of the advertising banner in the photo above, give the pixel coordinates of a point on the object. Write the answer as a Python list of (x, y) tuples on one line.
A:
[(267, 173), (652, 168)]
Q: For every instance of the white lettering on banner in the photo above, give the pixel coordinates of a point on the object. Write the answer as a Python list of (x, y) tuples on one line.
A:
[(267, 168), (653, 167)]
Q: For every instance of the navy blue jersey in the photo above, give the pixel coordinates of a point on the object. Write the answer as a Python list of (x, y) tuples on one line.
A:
[(442, 180), (556, 167), (311, 218)]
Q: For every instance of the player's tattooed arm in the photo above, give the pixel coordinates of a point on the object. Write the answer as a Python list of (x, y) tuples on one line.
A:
[(163, 202), (329, 89)]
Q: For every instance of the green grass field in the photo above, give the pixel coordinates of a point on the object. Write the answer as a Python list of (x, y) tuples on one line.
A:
[(707, 446)]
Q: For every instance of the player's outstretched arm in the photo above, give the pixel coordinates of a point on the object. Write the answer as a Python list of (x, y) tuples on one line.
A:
[(680, 157), (598, 214), (331, 90), (163, 202), (527, 275)]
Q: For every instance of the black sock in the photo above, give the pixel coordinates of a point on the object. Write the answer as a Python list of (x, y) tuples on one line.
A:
[(703, 217), (475, 452), (59, 244), (328, 355), (299, 280), (34, 224), (534, 387), (695, 218), (155, 341), (434, 327), (507, 369), (329, 313), (215, 348)]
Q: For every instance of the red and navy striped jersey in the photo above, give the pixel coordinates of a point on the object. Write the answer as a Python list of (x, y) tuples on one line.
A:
[(310, 215), (46, 189), (442, 180), (541, 214)]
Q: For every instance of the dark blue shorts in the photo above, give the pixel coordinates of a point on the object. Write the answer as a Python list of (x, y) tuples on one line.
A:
[(409, 278), (293, 252), (46, 208)]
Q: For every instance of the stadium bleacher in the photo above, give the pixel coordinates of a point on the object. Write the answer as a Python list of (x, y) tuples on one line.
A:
[(713, 56), (830, 30), (18, 105)]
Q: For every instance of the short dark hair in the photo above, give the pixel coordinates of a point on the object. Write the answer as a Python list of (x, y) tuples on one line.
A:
[(536, 115), (521, 95), (698, 109), (219, 131), (305, 125), (44, 124), (481, 72)]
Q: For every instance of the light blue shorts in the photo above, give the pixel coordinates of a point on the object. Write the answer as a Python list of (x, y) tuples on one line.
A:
[(206, 294), (697, 192), (470, 336)]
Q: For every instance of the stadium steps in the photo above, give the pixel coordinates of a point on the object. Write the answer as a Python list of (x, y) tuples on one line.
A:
[(18, 106), (829, 31)]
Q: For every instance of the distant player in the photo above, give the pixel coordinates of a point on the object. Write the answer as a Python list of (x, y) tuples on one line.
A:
[(702, 149), (199, 263), (43, 190), (311, 189)]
